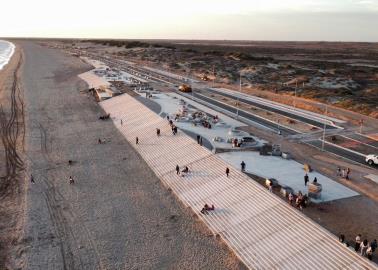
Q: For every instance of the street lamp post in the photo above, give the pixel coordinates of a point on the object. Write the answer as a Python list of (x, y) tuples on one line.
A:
[(361, 123), (189, 84), (295, 92), (213, 76), (237, 97), (324, 131)]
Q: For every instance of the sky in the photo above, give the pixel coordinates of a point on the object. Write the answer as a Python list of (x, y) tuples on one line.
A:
[(302, 20)]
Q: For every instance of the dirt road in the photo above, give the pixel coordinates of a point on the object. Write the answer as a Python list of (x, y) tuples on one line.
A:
[(117, 215)]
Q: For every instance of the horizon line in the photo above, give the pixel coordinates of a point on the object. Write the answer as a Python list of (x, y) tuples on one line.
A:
[(181, 39)]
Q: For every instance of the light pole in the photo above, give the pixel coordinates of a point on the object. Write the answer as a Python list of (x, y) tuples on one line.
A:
[(295, 92), (324, 131), (361, 123), (192, 90), (237, 97), (213, 76)]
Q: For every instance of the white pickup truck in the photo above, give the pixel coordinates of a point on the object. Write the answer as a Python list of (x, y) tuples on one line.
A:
[(372, 159)]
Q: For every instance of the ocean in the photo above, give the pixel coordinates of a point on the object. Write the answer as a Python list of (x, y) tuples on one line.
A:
[(6, 52)]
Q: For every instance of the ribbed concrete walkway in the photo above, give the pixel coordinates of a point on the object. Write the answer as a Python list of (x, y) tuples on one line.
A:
[(264, 231)]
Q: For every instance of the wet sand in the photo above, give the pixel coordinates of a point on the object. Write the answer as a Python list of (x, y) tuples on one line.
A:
[(117, 215)]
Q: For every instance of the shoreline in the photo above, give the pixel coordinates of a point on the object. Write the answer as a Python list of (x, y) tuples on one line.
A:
[(13, 49)]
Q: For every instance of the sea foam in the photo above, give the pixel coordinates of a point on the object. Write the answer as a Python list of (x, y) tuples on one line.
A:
[(6, 52)]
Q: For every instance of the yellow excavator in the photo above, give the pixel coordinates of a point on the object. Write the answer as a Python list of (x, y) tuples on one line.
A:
[(185, 88)]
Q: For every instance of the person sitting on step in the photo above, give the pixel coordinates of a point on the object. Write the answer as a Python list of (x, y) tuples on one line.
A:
[(207, 208)]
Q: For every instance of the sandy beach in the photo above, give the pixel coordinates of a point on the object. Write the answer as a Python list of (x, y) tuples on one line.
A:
[(117, 215)]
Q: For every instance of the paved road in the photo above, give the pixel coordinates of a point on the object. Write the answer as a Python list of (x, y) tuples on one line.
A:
[(340, 152), (246, 115), (275, 110), (363, 139)]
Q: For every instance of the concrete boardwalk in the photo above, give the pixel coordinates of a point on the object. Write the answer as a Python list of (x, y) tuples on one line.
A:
[(262, 230)]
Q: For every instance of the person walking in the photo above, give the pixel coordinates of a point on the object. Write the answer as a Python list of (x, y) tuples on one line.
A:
[(71, 181), (227, 171), (177, 169), (136, 140), (271, 187), (357, 242), (158, 132), (32, 179), (306, 179), (174, 129), (347, 174), (201, 143), (198, 139), (343, 172), (338, 171), (242, 164), (121, 122)]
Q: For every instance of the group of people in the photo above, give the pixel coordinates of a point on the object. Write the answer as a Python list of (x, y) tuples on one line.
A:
[(307, 179), (173, 127), (300, 199), (71, 181), (206, 124), (364, 247), (344, 173), (184, 171), (236, 143)]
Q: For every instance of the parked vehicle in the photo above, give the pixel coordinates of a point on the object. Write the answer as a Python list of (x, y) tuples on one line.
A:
[(185, 88)]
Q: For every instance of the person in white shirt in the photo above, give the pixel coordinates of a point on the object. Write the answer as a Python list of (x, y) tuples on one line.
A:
[(364, 247), (369, 252)]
